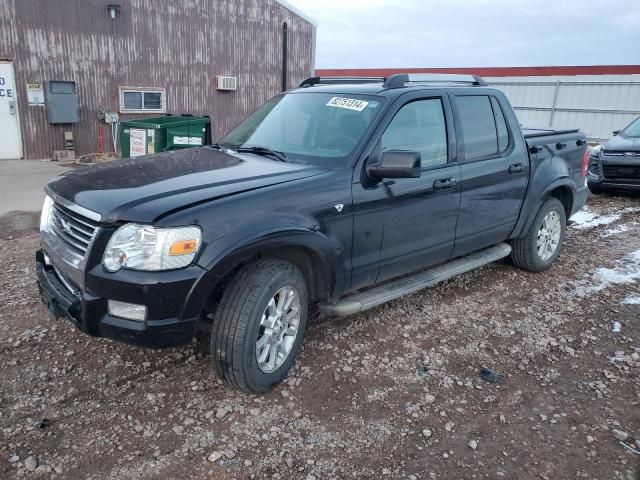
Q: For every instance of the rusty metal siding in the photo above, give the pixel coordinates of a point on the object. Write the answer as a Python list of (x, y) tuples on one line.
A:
[(178, 45)]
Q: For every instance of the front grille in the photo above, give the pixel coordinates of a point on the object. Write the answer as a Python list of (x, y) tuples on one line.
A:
[(621, 172), (616, 153), (74, 229)]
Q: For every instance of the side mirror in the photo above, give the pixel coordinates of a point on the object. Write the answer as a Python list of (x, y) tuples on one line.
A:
[(396, 164), (616, 132)]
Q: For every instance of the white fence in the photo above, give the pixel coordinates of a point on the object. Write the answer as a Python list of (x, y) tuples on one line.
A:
[(597, 104)]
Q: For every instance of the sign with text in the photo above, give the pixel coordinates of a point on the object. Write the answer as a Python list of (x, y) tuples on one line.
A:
[(6, 87), (138, 139), (35, 94)]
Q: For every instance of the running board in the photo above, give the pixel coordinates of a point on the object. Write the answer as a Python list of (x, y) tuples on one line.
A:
[(386, 292)]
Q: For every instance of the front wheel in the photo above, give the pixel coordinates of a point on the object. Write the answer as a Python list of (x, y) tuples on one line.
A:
[(259, 325), (537, 249)]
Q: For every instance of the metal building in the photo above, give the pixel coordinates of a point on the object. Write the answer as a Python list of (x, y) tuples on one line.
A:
[(140, 58), (597, 99)]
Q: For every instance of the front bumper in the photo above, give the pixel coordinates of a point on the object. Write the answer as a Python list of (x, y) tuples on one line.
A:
[(618, 174), (88, 310), (606, 184)]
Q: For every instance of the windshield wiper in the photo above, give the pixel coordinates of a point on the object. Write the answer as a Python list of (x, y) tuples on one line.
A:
[(264, 151)]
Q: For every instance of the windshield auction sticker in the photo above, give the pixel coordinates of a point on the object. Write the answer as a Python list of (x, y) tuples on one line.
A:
[(348, 103)]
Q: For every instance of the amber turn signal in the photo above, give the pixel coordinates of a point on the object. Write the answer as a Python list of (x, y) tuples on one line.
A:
[(183, 247)]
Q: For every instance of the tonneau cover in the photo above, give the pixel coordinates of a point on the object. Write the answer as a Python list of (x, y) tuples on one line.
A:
[(543, 132)]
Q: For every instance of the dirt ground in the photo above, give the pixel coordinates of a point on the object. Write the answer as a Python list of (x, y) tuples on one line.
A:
[(391, 393)]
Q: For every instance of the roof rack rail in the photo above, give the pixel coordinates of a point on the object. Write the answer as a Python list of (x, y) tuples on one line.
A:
[(310, 82), (399, 80)]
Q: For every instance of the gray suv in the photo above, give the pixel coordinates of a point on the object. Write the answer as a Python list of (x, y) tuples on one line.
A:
[(616, 164)]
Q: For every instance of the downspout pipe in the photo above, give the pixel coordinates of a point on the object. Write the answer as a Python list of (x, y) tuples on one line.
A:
[(285, 40)]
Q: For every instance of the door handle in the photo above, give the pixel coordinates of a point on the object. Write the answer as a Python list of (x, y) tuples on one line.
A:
[(517, 167), (444, 183)]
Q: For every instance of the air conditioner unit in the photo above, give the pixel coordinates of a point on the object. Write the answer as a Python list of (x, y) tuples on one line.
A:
[(227, 83)]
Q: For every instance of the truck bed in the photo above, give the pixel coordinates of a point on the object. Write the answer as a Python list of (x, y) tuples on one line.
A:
[(560, 151), (566, 142)]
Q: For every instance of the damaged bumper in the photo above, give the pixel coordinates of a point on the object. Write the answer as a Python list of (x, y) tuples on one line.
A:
[(89, 311)]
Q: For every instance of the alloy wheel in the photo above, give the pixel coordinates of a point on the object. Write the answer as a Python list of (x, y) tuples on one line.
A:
[(549, 236), (278, 329)]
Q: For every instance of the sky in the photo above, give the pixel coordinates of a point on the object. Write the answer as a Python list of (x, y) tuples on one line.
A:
[(474, 33)]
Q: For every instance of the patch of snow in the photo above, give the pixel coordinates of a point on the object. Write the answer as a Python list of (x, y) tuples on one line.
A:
[(632, 300), (585, 218), (626, 271), (609, 232)]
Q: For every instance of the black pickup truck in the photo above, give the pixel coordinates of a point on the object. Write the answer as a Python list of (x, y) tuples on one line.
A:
[(341, 194)]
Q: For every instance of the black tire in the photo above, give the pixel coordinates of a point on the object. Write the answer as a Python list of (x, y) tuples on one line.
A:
[(595, 189), (237, 324), (525, 253)]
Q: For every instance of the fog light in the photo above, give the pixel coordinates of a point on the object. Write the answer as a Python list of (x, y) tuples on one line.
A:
[(130, 311)]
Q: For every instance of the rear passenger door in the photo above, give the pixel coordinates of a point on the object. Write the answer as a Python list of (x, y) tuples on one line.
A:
[(494, 169)]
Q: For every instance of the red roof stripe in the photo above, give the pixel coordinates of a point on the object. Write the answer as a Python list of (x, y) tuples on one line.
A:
[(488, 71)]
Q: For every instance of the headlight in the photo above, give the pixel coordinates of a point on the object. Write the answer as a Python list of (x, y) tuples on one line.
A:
[(143, 247), (595, 151), (46, 212)]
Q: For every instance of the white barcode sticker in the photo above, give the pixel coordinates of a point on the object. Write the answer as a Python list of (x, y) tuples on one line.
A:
[(348, 103)]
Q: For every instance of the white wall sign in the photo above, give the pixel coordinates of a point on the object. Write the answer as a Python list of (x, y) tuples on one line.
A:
[(35, 94), (6, 86)]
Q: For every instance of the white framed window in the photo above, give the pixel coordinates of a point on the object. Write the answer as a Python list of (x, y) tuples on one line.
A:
[(142, 100)]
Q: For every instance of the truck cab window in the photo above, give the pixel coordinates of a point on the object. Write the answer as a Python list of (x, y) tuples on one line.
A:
[(419, 126), (479, 134), (501, 125)]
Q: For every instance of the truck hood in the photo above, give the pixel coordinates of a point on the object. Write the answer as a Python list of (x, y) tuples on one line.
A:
[(623, 144), (145, 188)]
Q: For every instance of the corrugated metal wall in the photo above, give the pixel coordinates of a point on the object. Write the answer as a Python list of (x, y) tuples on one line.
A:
[(595, 98), (597, 104), (178, 45)]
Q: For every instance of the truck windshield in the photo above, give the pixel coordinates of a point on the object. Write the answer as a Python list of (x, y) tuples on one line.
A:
[(306, 126)]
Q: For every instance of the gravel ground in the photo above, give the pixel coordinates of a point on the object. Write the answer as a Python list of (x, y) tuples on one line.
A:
[(391, 393)]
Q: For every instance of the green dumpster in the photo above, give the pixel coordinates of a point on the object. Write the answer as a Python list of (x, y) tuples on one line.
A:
[(147, 136)]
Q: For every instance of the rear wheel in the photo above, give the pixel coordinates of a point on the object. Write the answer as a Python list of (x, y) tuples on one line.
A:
[(541, 245), (259, 325)]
